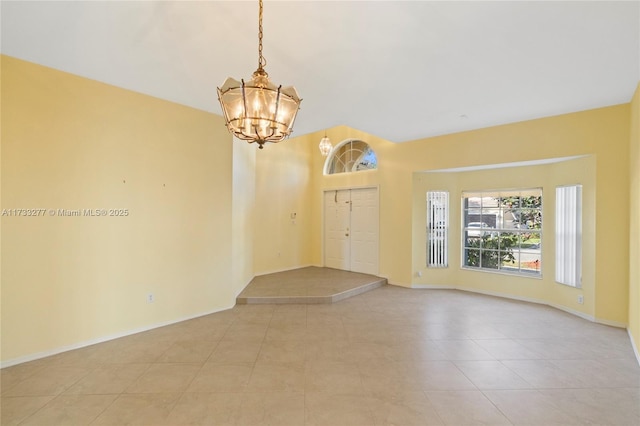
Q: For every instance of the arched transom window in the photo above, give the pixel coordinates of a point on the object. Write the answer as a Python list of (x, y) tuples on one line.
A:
[(351, 155)]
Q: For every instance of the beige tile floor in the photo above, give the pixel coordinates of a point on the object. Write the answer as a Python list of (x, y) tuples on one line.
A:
[(391, 356)]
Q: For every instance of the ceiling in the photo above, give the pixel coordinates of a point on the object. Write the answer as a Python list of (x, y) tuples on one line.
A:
[(401, 70)]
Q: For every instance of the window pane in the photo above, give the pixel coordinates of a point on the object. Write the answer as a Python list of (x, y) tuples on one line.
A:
[(488, 202), (472, 258), (512, 202), (490, 259), (490, 217), (508, 241), (530, 240), (509, 260), (530, 261), (530, 218), (474, 202)]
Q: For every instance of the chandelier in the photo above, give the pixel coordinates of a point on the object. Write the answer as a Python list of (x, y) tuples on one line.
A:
[(325, 145), (258, 110)]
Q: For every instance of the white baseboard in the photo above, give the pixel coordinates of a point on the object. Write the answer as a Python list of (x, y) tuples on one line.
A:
[(611, 323), (242, 289), (275, 271), (33, 357), (577, 313), (397, 284), (633, 345), (525, 299), (433, 286), (503, 295)]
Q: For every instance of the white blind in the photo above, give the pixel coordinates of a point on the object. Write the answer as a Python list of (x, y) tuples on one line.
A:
[(438, 228), (569, 235)]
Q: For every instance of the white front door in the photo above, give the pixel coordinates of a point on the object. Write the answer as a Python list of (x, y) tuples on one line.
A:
[(337, 211), (351, 230), (364, 230)]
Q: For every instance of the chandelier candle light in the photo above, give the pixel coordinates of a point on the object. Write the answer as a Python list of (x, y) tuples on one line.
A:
[(258, 110)]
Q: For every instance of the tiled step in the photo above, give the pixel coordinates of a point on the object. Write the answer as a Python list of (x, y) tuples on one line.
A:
[(308, 286)]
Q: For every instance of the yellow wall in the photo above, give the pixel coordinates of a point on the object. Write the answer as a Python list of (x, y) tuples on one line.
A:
[(73, 143), (244, 192), (634, 229), (282, 180)]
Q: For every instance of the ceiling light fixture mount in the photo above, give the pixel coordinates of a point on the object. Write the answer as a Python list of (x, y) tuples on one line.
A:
[(258, 110)]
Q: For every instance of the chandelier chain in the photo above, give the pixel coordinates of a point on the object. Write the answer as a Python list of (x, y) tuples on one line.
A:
[(261, 61)]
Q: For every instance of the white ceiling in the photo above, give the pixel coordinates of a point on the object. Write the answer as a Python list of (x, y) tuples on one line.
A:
[(401, 70)]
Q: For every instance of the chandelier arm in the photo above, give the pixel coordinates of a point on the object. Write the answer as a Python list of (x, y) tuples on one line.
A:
[(244, 100), (275, 113)]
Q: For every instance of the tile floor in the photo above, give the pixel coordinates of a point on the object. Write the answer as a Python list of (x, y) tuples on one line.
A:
[(391, 356)]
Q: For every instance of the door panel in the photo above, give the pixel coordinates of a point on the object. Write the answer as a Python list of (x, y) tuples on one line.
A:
[(351, 230), (364, 230), (337, 238)]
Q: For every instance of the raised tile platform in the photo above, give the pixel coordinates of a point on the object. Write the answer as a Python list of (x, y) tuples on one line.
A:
[(308, 286)]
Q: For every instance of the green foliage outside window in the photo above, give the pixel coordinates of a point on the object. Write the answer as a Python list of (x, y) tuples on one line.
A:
[(497, 250)]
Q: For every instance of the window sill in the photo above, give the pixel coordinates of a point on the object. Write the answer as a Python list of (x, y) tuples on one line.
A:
[(534, 275)]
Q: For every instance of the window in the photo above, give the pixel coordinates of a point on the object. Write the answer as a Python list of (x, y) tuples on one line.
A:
[(569, 235), (502, 231), (437, 228), (351, 156)]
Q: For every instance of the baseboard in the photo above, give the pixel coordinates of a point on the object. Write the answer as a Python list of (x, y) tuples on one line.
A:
[(610, 323), (397, 284), (235, 297), (275, 271), (433, 286), (633, 345), (33, 357), (544, 302), (581, 314), (503, 295)]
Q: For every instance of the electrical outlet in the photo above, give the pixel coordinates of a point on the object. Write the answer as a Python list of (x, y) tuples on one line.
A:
[(581, 299), (150, 298)]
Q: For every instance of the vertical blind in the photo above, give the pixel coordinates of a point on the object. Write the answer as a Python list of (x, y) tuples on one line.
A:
[(438, 228), (569, 235)]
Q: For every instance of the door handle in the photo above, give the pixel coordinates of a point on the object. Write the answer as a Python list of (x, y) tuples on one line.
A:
[(346, 235)]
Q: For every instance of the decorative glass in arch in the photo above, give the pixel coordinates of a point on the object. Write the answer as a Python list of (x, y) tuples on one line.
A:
[(351, 156)]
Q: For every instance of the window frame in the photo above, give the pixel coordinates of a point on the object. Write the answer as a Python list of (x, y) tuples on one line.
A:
[(335, 151), (492, 230)]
